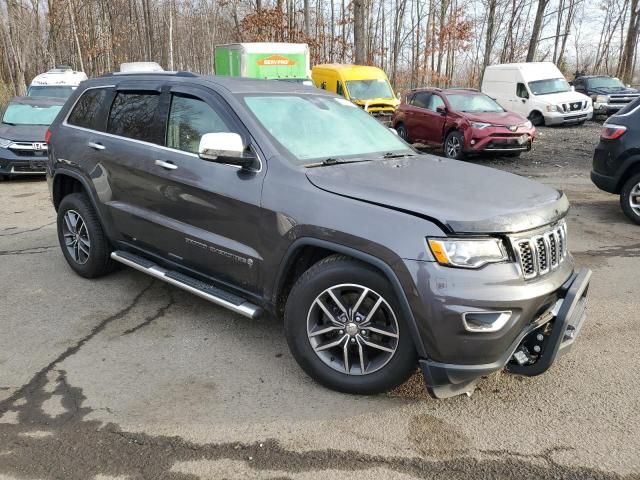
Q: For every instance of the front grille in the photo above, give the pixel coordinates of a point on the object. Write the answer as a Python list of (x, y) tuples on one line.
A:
[(541, 253), (622, 99), (574, 106)]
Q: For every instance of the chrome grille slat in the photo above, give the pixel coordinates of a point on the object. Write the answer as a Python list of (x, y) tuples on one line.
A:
[(541, 253)]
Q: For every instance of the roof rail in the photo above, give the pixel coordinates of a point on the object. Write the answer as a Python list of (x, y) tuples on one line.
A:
[(180, 73), (464, 88)]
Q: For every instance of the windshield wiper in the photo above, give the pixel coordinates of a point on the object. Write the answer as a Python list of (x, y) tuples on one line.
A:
[(9, 123), (327, 162), (398, 155)]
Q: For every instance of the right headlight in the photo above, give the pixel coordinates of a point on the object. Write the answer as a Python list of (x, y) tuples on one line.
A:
[(602, 99), (552, 108), (468, 253), (4, 143)]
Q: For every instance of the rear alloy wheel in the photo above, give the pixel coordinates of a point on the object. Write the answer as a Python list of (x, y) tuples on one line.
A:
[(344, 327), (453, 146), (630, 198), (83, 242), (402, 132)]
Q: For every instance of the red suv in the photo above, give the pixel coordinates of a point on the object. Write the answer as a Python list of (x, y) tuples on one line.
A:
[(462, 121)]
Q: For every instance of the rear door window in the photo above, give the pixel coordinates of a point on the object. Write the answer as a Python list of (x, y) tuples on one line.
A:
[(133, 115), (420, 100), (189, 119), (86, 112)]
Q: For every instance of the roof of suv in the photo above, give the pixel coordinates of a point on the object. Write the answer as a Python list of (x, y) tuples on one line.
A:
[(232, 84)]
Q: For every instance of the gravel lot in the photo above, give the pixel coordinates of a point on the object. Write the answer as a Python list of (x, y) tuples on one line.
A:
[(128, 378)]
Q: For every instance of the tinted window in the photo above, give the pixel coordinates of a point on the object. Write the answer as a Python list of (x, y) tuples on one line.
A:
[(189, 119), (85, 113), (132, 115), (521, 91), (50, 91), (420, 100), (434, 102)]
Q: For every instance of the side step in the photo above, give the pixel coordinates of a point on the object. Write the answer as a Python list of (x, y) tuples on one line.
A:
[(202, 289)]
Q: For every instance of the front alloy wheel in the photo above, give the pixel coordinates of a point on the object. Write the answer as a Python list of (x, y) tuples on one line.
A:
[(453, 146), (352, 329), (345, 327)]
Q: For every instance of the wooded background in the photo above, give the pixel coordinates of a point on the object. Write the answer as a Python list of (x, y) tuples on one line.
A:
[(417, 42)]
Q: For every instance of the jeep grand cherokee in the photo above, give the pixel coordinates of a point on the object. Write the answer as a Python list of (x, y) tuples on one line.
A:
[(275, 198)]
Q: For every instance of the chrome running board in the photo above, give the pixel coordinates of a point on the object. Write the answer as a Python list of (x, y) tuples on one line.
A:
[(192, 285)]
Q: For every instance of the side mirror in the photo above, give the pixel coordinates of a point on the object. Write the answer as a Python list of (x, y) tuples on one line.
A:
[(573, 89), (224, 147), (441, 109)]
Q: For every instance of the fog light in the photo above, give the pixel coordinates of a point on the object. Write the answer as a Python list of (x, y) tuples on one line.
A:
[(473, 142), (485, 322)]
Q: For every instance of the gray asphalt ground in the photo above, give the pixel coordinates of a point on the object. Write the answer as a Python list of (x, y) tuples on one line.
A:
[(128, 378)]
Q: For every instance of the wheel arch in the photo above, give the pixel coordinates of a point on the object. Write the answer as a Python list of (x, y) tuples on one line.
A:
[(631, 170), (67, 181), (305, 252)]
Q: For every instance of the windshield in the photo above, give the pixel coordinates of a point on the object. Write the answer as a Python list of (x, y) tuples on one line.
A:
[(368, 89), (313, 127), (50, 91), (545, 87), (605, 82), (464, 102), (18, 114)]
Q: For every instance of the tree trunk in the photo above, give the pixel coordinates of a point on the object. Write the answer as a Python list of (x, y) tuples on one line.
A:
[(537, 27), (358, 32)]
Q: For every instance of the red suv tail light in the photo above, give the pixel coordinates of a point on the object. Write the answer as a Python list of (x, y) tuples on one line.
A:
[(611, 132), (47, 136)]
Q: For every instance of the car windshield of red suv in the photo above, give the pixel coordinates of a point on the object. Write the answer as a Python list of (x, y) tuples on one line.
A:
[(465, 102)]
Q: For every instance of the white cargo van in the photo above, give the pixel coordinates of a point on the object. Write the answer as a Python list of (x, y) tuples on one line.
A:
[(537, 90), (57, 82)]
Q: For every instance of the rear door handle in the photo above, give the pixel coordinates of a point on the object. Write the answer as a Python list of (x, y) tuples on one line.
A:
[(96, 146), (167, 165)]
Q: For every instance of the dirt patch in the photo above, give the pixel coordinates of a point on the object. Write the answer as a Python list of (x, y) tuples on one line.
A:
[(431, 436)]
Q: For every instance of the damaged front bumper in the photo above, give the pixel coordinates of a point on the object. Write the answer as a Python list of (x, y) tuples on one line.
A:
[(533, 351)]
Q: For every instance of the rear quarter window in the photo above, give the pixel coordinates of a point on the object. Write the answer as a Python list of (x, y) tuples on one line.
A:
[(133, 115), (86, 112)]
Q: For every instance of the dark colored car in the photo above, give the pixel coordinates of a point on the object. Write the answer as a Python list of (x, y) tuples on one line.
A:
[(609, 94), (462, 121), (616, 161), (272, 198), (23, 146)]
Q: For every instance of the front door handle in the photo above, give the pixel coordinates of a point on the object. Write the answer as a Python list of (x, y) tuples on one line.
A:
[(167, 165), (96, 146)]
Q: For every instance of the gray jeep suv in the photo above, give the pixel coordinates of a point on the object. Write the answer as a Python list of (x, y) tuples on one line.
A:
[(280, 199)]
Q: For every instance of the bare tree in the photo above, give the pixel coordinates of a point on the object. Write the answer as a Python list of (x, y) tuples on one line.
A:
[(535, 32)]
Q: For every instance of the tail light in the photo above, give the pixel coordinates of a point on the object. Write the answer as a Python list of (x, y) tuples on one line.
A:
[(47, 136), (611, 132)]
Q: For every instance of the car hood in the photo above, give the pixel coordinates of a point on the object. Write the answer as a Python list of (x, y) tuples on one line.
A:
[(23, 133), (497, 118), (563, 97), (613, 91), (378, 102), (461, 197)]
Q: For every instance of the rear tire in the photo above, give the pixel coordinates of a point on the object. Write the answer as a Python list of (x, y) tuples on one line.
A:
[(454, 146), (82, 239), (536, 118), (402, 133), (630, 198), (344, 346)]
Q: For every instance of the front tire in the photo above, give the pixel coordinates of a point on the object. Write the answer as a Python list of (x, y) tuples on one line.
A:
[(630, 198), (402, 133), (454, 146), (81, 237), (345, 329), (536, 118)]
